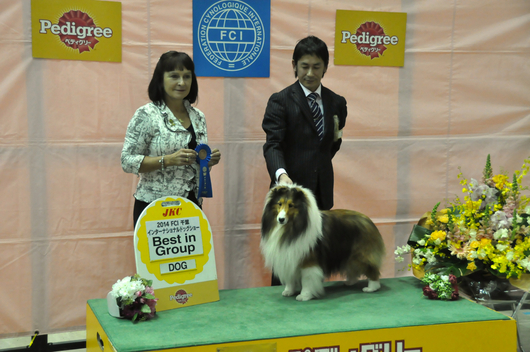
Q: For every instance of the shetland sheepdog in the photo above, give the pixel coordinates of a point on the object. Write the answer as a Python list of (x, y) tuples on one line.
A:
[(303, 245)]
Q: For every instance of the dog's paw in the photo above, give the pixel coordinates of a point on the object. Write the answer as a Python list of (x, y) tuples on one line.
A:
[(288, 292), (372, 286), (302, 297)]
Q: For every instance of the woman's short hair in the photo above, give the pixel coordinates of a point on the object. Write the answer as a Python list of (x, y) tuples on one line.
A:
[(170, 61), (311, 46)]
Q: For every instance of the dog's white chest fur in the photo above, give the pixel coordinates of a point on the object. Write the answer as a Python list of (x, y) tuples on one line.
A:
[(285, 259)]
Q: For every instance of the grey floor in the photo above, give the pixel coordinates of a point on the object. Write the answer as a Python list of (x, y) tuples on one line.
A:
[(24, 341), (523, 324)]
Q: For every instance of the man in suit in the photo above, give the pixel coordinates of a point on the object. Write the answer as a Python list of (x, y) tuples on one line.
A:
[(304, 130), (293, 151)]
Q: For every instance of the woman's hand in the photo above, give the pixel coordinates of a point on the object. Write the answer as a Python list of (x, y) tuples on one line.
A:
[(214, 157), (181, 157)]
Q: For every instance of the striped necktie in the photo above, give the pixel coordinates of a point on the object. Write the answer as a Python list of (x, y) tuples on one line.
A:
[(317, 114)]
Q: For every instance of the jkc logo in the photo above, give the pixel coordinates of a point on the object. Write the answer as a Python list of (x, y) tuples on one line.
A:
[(76, 30), (370, 39), (181, 296), (172, 212), (231, 35)]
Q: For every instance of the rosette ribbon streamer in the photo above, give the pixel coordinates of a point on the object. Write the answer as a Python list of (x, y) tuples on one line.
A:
[(203, 157)]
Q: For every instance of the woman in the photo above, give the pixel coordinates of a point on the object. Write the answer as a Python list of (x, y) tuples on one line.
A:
[(162, 135)]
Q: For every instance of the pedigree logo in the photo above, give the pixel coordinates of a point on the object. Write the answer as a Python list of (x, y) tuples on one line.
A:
[(76, 30), (370, 39), (90, 30), (181, 296)]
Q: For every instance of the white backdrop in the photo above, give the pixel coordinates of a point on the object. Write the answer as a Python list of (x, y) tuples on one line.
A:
[(66, 211)]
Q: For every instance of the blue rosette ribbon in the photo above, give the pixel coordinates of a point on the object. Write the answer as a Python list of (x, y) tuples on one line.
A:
[(203, 157)]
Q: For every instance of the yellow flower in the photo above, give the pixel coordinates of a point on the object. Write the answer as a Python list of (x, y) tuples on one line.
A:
[(500, 180), (438, 235), (485, 242), (471, 266), (443, 218)]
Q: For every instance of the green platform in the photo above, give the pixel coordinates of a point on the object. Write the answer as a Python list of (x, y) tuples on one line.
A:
[(262, 313)]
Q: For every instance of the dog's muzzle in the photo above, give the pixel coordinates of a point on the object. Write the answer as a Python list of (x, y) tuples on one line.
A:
[(281, 218)]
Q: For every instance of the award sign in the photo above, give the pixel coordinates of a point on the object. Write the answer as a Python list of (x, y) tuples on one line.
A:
[(174, 248), (204, 154)]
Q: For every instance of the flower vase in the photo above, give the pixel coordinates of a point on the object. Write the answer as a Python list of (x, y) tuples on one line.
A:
[(523, 283), (112, 306), (482, 286), (417, 271)]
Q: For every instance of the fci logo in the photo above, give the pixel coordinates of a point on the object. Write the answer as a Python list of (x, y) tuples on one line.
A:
[(231, 35)]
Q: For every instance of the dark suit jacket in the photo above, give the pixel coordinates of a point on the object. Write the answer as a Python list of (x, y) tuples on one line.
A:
[(293, 144)]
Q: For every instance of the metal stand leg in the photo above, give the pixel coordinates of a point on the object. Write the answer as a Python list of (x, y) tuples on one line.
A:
[(514, 316)]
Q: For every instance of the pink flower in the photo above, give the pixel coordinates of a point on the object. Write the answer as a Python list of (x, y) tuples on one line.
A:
[(429, 292), (454, 295)]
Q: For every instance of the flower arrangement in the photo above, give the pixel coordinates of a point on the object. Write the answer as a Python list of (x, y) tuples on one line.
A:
[(442, 287), (135, 298), (488, 230)]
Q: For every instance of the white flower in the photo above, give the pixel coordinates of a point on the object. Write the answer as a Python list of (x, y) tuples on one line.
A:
[(501, 234), (510, 255), (445, 277), (482, 254), (525, 263), (473, 234), (502, 247), (402, 250), (430, 257), (421, 242), (527, 209), (127, 289), (499, 220), (472, 255)]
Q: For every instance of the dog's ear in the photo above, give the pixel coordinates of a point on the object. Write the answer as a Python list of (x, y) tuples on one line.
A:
[(299, 195), (279, 191), (274, 195)]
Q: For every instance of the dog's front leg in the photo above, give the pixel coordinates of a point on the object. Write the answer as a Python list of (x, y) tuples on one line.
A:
[(290, 289), (312, 286), (292, 284)]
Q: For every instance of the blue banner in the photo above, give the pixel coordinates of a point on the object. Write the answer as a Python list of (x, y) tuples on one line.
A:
[(231, 38)]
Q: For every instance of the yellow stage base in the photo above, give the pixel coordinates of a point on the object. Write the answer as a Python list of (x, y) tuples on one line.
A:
[(260, 319)]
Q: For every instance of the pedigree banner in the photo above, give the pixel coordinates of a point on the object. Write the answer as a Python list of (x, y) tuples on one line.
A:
[(174, 248), (76, 30), (370, 38)]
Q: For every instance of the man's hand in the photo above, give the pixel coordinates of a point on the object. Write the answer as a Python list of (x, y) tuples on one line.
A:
[(284, 180)]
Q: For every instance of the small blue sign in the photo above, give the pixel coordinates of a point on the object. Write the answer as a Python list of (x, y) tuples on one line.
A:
[(231, 38)]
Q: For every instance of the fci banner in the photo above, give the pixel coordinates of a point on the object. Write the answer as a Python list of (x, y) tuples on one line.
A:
[(76, 30), (231, 38), (370, 38)]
